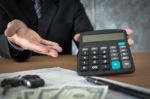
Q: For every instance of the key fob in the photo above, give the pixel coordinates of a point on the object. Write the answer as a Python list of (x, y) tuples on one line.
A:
[(32, 81), (10, 81)]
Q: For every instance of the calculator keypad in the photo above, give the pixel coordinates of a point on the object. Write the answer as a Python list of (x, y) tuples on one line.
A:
[(105, 58)]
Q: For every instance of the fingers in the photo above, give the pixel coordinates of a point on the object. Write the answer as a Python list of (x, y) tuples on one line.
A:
[(129, 31), (46, 47), (13, 27), (52, 53), (52, 45), (42, 49), (77, 37), (130, 41)]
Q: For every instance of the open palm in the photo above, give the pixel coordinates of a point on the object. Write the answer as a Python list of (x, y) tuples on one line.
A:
[(18, 33)]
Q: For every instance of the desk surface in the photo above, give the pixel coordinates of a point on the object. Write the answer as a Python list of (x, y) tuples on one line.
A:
[(140, 77)]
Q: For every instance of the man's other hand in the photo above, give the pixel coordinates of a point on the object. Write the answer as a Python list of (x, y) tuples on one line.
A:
[(18, 33), (128, 30)]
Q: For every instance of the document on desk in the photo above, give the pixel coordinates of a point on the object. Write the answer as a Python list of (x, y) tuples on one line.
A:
[(66, 92), (56, 77), (53, 77)]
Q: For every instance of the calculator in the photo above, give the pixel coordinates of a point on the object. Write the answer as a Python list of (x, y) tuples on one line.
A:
[(104, 52)]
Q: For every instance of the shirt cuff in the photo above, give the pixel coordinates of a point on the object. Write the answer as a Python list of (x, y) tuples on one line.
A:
[(15, 46)]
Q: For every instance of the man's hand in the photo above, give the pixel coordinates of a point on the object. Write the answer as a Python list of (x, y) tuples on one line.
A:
[(130, 33), (18, 33), (128, 30)]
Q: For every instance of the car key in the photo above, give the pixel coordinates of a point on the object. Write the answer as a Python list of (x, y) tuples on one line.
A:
[(32, 81), (8, 83)]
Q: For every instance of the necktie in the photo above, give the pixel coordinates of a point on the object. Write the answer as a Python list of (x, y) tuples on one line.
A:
[(37, 6)]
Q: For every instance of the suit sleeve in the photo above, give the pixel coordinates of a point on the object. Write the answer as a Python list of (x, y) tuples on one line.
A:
[(81, 20), (6, 50)]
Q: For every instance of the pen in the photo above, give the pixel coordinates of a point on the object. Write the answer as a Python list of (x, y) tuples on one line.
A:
[(116, 87)]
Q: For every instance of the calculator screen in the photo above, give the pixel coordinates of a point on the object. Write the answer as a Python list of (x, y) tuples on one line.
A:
[(103, 37)]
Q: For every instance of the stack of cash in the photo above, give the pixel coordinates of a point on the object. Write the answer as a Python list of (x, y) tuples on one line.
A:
[(66, 92)]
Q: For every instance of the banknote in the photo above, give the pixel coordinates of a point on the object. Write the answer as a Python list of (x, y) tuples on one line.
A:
[(17, 97), (27, 94), (45, 93), (66, 92), (81, 92)]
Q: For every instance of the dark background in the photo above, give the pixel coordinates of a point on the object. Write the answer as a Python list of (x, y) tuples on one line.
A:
[(109, 14)]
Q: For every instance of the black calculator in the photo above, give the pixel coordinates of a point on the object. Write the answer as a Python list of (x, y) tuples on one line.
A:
[(104, 52)]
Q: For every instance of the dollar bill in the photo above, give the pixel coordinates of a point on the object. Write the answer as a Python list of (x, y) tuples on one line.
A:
[(81, 92), (27, 94), (66, 92), (17, 97), (45, 93)]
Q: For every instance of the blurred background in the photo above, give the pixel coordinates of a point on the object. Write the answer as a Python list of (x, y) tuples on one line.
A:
[(113, 14)]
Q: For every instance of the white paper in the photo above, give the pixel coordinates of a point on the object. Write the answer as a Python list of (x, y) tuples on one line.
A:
[(55, 77)]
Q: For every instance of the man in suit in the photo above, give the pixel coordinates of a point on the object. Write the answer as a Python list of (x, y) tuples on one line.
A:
[(24, 31)]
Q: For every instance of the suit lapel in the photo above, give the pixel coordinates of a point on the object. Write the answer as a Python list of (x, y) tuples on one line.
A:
[(29, 12), (48, 12)]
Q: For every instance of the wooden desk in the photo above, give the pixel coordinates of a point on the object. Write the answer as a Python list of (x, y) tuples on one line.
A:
[(140, 77)]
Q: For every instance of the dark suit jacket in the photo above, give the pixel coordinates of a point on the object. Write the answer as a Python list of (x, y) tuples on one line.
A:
[(60, 21)]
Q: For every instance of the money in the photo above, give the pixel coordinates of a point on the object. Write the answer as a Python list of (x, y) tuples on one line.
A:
[(27, 94), (17, 97), (82, 92), (66, 92), (45, 93)]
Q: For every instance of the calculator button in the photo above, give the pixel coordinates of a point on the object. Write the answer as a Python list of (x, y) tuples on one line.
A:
[(95, 62), (84, 63), (103, 48), (114, 54), (105, 67), (85, 51), (121, 47), (116, 65), (114, 58), (123, 50), (113, 51), (105, 61), (84, 68), (94, 49), (124, 54), (104, 56), (125, 58), (84, 57), (95, 57), (121, 44), (94, 67), (94, 52), (104, 52), (126, 64), (113, 47)]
